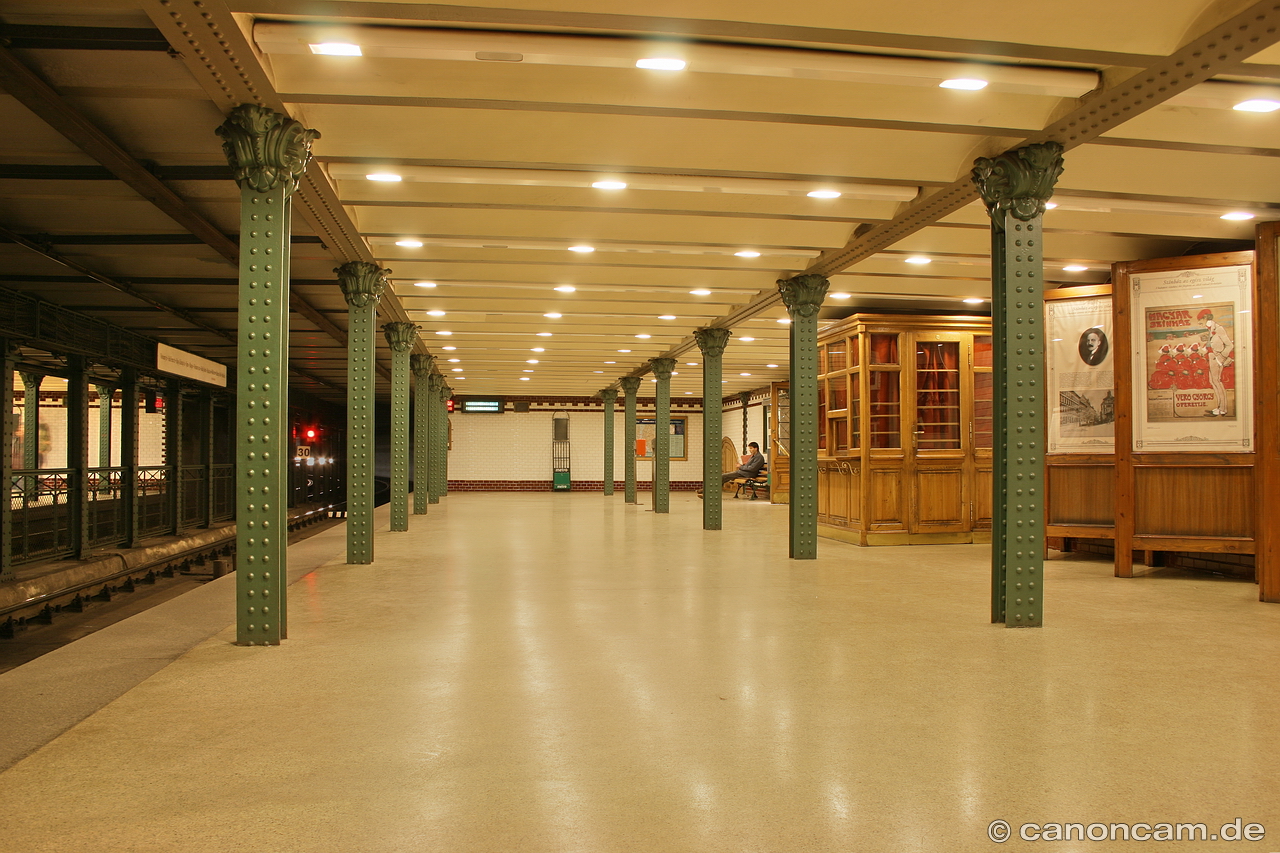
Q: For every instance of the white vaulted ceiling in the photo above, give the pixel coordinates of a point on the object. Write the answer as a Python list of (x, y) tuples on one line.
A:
[(497, 119)]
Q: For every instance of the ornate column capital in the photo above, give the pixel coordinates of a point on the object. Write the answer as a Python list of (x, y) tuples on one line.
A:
[(711, 341), (435, 382), (662, 367), (608, 394), (401, 335), (362, 283), (744, 397), (630, 384), (1018, 181), (445, 390), (266, 149), (803, 294), (422, 364)]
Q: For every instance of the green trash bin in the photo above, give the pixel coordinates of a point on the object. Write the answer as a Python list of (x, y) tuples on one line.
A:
[(561, 481)]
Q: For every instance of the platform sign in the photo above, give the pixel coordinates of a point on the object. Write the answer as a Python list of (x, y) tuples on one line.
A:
[(179, 363)]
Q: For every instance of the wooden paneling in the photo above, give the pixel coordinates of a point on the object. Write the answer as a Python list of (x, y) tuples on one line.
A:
[(982, 495), (939, 500), (1266, 336), (1193, 502), (884, 509), (780, 479), (838, 490), (1081, 494)]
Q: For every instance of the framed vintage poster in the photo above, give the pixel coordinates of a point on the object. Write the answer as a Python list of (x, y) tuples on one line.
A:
[(1082, 388), (645, 435), (1193, 360)]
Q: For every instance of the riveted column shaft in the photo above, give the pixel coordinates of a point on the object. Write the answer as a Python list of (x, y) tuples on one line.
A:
[(268, 152), (712, 342), (662, 368), (630, 385), (362, 285), (803, 297), (609, 395), (1015, 187), (104, 425), (31, 425), (422, 365), (400, 337), (438, 436)]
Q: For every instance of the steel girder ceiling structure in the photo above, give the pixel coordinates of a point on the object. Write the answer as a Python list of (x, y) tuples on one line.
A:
[(499, 118)]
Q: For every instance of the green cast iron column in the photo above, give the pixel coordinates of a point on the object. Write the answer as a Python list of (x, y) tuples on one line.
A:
[(803, 297), (446, 392), (662, 368), (104, 425), (6, 460), (712, 342), (129, 454), (630, 385), (268, 153), (362, 285), (1015, 186), (400, 337), (78, 453), (31, 420), (422, 365), (435, 382), (609, 395)]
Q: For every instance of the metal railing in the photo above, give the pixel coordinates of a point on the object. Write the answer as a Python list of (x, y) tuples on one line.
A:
[(41, 520), (224, 493), (106, 507), (154, 517), (194, 502)]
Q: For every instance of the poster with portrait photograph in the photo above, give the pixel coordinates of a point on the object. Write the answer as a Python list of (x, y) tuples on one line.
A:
[(1192, 360), (1082, 418)]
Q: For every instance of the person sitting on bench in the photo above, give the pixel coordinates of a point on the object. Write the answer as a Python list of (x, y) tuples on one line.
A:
[(747, 470)]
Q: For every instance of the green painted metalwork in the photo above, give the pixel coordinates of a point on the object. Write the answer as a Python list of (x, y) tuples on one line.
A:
[(31, 420), (609, 395), (268, 153), (422, 366), (712, 343), (129, 453), (78, 452), (104, 425), (6, 460), (400, 337), (207, 431), (662, 368), (1015, 187), (803, 297), (174, 413), (443, 473), (438, 436), (630, 385), (362, 285)]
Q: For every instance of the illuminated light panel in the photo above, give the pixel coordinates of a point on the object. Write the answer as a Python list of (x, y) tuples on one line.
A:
[(424, 284), (582, 249), (544, 334), (524, 378), (700, 292), (624, 350), (667, 317), (410, 244), (968, 84), (771, 365), (918, 259), (538, 349), (746, 340), (644, 337), (787, 319), (974, 301), (744, 374), (691, 363), (566, 288), (336, 48), (610, 185), (531, 361), (449, 348), (454, 360), (386, 177), (824, 194), (1075, 268), (841, 295), (527, 371), (661, 63), (746, 253), (435, 313), (611, 362), (1257, 105), (444, 333), (1237, 216), (456, 369), (553, 315)]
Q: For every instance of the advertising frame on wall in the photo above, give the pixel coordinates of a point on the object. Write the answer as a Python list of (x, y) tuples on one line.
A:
[(679, 433), (1192, 360), (1081, 375)]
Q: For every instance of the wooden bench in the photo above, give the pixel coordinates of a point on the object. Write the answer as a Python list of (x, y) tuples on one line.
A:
[(754, 483)]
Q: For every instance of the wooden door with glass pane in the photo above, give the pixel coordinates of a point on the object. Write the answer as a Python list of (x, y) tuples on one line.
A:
[(936, 466), (981, 434)]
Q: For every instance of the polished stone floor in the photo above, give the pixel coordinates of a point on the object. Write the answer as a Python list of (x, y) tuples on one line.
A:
[(562, 673)]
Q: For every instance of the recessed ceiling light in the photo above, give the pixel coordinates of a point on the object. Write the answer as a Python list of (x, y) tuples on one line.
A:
[(692, 363), (410, 244), (538, 349), (624, 350), (746, 253), (700, 292), (675, 373), (609, 185), (1237, 216), (974, 301), (424, 284), (653, 380), (918, 259), (531, 361), (335, 48), (1074, 268), (524, 378), (566, 288), (456, 369), (1257, 105), (435, 313), (454, 360), (544, 334), (597, 371), (644, 337), (459, 377), (582, 249), (611, 362), (553, 315), (788, 319), (661, 63), (667, 317), (746, 340), (744, 374), (688, 392), (824, 194), (527, 371), (771, 365), (444, 333), (383, 176), (449, 348), (841, 295), (1050, 205), (967, 83)]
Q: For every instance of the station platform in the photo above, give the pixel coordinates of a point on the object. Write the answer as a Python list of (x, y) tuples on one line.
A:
[(563, 672)]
